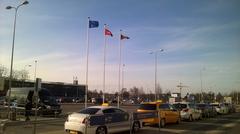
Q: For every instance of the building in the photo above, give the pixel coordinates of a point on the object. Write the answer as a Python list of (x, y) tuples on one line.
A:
[(58, 89)]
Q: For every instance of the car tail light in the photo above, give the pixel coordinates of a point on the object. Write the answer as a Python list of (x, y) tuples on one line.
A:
[(85, 120), (185, 110)]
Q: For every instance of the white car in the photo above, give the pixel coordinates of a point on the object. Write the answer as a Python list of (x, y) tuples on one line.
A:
[(100, 120), (221, 108), (188, 111)]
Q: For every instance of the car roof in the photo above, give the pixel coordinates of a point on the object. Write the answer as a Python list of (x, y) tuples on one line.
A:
[(151, 103), (103, 107), (181, 103)]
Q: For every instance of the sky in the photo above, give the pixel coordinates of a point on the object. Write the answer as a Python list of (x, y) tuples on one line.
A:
[(197, 37)]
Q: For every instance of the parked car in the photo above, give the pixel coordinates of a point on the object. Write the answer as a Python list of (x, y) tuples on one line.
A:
[(188, 111), (221, 108), (167, 113), (231, 107), (117, 120), (207, 110)]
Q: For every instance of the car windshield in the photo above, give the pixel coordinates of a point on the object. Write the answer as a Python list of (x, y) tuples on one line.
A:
[(215, 105), (148, 107), (180, 106), (201, 105), (164, 106), (90, 111)]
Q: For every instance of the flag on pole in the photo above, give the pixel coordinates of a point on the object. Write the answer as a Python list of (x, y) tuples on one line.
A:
[(124, 37), (93, 24), (108, 32)]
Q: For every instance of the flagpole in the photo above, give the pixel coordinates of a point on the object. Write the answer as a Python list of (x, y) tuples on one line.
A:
[(123, 65), (86, 89), (119, 68), (104, 64)]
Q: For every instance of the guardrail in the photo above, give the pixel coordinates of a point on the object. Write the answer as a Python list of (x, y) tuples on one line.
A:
[(17, 113)]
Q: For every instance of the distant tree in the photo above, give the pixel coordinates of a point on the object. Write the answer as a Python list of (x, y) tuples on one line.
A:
[(125, 94), (23, 74), (101, 93), (158, 91), (3, 71), (95, 94), (219, 97), (134, 92)]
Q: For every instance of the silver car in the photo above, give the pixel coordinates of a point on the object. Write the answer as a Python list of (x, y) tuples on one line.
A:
[(188, 111)]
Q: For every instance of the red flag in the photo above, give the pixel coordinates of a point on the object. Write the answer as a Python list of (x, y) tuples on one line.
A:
[(124, 37), (108, 32)]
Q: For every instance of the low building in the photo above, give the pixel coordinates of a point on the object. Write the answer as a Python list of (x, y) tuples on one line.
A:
[(58, 89)]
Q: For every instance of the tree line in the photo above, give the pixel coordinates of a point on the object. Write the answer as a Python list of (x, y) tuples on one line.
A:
[(16, 74)]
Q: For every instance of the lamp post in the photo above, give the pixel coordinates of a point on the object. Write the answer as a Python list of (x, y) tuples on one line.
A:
[(14, 30), (35, 70), (156, 57)]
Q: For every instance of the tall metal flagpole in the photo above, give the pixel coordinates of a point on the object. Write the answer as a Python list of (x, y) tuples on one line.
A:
[(86, 88), (156, 54), (104, 64), (122, 78), (119, 69)]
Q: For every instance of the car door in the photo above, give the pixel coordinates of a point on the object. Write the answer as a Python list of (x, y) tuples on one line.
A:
[(166, 111), (193, 111), (116, 121), (175, 114), (123, 120)]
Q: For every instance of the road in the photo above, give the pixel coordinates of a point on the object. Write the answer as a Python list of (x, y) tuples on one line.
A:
[(220, 125)]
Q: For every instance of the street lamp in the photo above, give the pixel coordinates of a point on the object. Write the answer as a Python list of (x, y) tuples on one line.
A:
[(35, 70), (14, 30), (156, 56)]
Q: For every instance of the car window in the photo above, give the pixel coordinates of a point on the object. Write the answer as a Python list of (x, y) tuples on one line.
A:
[(90, 111), (164, 106), (180, 106), (118, 110), (148, 107), (191, 105), (201, 105), (109, 111)]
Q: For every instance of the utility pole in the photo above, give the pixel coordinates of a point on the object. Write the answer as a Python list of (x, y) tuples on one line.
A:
[(180, 86)]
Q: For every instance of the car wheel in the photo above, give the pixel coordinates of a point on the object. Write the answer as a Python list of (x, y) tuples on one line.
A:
[(162, 123), (101, 130), (135, 127), (190, 118)]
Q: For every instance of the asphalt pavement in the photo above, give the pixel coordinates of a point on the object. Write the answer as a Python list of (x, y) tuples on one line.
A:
[(223, 124)]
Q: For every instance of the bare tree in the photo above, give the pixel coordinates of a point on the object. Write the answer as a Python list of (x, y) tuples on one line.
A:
[(3, 71), (23, 74), (158, 91)]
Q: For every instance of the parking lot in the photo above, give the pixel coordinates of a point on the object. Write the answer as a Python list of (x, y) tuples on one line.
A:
[(218, 125)]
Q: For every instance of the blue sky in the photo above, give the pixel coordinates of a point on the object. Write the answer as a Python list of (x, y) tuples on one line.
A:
[(194, 34)]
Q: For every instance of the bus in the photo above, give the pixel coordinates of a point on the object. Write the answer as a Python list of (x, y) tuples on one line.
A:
[(47, 103)]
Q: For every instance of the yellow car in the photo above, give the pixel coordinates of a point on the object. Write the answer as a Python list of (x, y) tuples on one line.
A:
[(167, 113)]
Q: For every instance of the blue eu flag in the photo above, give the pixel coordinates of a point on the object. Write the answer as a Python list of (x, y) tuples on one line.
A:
[(93, 24)]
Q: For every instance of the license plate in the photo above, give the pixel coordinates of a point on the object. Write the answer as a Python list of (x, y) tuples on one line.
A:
[(73, 132)]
